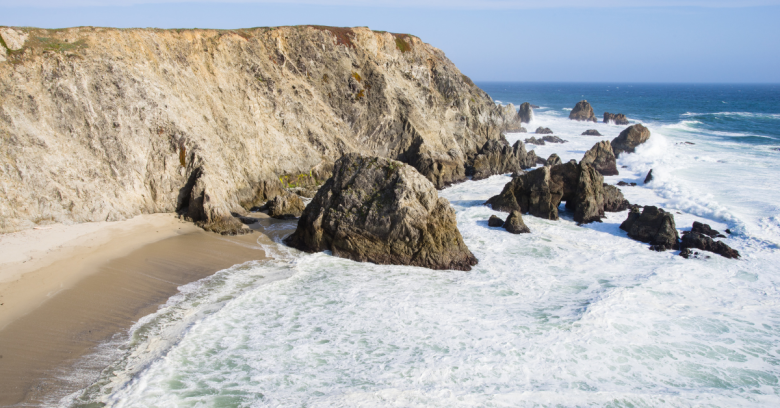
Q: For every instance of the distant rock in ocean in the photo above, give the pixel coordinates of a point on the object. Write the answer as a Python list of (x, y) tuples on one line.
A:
[(382, 211), (526, 113), (591, 132), (617, 119), (629, 139), (543, 131), (541, 141), (582, 112)]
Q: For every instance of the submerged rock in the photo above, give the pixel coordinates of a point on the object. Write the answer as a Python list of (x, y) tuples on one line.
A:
[(541, 141), (514, 223), (543, 131), (525, 113), (600, 156), (382, 211), (583, 112), (285, 206), (618, 119), (649, 177), (495, 221), (652, 225), (629, 139), (700, 241), (591, 132)]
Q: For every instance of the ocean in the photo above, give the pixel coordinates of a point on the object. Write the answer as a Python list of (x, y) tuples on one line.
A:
[(567, 316)]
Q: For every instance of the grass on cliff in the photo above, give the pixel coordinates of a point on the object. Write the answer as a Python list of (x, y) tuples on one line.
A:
[(342, 34)]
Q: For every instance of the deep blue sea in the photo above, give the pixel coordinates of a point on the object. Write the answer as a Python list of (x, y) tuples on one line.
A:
[(566, 316)]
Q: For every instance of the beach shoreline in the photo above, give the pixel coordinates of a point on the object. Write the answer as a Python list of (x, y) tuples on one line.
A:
[(68, 289)]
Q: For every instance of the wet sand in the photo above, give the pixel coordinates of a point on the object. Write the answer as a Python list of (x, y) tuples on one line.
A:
[(46, 354)]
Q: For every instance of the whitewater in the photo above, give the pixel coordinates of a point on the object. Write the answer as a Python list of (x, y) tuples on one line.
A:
[(565, 316)]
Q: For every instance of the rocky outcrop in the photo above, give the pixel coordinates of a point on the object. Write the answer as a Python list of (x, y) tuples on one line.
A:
[(104, 124), (617, 119), (553, 160), (525, 113), (704, 229), (539, 193), (497, 157), (285, 207), (582, 112), (614, 200), (693, 240), (382, 211), (649, 176), (13, 39), (600, 156), (591, 132), (514, 223), (629, 139), (495, 221), (546, 139), (543, 131), (653, 225)]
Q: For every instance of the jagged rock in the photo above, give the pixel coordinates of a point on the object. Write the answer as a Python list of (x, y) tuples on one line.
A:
[(553, 160), (649, 177), (525, 113), (541, 141), (653, 225), (600, 156), (705, 243), (13, 39), (497, 157), (543, 131), (582, 112), (495, 221), (618, 119), (285, 206), (539, 192), (591, 132), (380, 210), (614, 200), (514, 223), (624, 184), (704, 229), (629, 139)]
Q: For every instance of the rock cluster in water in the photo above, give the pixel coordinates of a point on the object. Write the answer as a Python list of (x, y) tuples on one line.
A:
[(701, 236), (382, 211), (618, 119), (652, 225), (498, 157), (545, 139)]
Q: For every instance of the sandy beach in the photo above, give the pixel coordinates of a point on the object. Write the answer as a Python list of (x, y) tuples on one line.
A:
[(68, 289)]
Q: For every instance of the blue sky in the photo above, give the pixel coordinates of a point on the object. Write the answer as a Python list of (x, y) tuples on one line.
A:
[(495, 40)]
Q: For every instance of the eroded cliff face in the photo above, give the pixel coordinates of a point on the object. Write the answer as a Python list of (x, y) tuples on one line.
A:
[(104, 124)]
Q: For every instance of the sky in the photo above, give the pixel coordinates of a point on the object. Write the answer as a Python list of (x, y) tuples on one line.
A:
[(616, 41)]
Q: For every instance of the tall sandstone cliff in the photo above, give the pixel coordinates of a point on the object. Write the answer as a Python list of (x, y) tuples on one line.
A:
[(104, 124)]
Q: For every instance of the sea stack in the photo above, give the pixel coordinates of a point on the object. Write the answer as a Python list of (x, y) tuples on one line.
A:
[(382, 211), (525, 113), (583, 112)]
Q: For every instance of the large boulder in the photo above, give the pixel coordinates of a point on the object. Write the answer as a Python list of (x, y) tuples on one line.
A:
[(495, 221), (539, 193), (600, 156), (525, 113), (652, 225), (583, 112), (629, 139), (618, 119), (285, 206), (382, 211), (694, 240), (514, 223), (497, 157)]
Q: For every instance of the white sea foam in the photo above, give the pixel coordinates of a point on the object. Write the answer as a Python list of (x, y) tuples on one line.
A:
[(564, 316)]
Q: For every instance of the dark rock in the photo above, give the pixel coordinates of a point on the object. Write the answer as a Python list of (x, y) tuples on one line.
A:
[(705, 243), (687, 253), (704, 229), (614, 200), (495, 221), (686, 143), (728, 231), (497, 157), (629, 139), (622, 183), (600, 156), (591, 132), (583, 112), (590, 196), (649, 177), (543, 131), (525, 113), (553, 160), (285, 206), (380, 210), (442, 169), (653, 225), (514, 223), (618, 119), (534, 106), (541, 141)]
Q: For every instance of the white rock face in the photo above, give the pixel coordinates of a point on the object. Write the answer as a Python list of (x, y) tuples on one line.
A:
[(13, 39), (2, 54), (103, 124)]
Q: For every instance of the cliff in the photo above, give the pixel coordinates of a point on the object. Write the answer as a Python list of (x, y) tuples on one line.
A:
[(104, 124)]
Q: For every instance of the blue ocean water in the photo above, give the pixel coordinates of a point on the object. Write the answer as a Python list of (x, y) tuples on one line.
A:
[(566, 316)]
